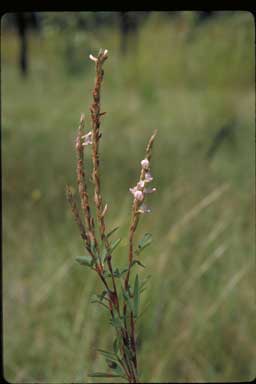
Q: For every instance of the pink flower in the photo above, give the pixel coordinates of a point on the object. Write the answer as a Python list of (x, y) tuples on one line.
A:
[(148, 177), (145, 164), (87, 138), (140, 185), (138, 195)]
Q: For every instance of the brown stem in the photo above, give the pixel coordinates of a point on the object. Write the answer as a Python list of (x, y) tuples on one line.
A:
[(132, 229), (133, 342), (95, 117), (82, 187)]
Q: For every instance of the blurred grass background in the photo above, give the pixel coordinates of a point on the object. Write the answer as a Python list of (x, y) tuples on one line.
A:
[(189, 81)]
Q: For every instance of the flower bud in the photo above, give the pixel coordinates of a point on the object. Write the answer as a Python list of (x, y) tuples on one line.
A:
[(138, 195), (87, 138), (148, 177), (93, 58), (141, 184), (145, 164)]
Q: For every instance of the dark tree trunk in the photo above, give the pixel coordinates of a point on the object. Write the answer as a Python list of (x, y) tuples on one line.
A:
[(128, 28), (22, 33)]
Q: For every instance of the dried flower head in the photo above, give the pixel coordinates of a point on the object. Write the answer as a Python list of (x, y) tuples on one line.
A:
[(87, 138), (93, 58)]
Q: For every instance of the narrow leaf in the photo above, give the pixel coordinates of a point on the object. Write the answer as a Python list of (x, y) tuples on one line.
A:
[(100, 296), (136, 296), (104, 254), (120, 371), (105, 352), (116, 322), (85, 260), (114, 244), (135, 261), (104, 374), (127, 299), (112, 231), (100, 302), (109, 357), (143, 284), (144, 242), (116, 345)]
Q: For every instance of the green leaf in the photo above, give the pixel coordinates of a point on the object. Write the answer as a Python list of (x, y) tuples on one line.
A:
[(116, 345), (99, 302), (114, 244), (112, 358), (127, 298), (119, 371), (103, 374), (136, 295), (94, 248), (143, 284), (109, 356), (116, 322), (112, 231), (100, 296), (103, 351), (135, 261), (144, 242), (123, 271), (104, 254), (116, 272), (106, 274), (128, 352), (111, 364), (85, 260)]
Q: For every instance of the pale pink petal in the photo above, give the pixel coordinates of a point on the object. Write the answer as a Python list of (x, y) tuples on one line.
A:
[(145, 164), (141, 184), (148, 177), (87, 138), (138, 195)]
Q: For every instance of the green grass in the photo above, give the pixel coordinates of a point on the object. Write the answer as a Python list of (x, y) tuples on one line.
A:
[(200, 323)]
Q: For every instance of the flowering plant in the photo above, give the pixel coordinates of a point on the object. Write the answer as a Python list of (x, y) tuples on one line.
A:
[(119, 295)]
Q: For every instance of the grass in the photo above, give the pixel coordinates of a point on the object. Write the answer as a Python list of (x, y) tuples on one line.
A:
[(199, 325)]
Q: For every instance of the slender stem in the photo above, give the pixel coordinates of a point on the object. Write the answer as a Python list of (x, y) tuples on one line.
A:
[(95, 117), (126, 332), (82, 187)]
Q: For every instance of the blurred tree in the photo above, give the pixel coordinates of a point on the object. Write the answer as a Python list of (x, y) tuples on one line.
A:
[(203, 16), (129, 24), (23, 21)]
